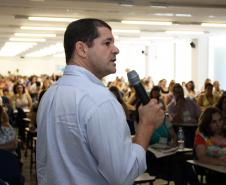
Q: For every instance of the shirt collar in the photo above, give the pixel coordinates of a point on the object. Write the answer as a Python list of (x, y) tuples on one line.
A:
[(75, 70)]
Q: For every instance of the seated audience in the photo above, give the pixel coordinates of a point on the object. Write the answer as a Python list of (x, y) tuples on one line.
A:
[(216, 89), (156, 93), (190, 90), (169, 97), (210, 142), (164, 90), (183, 110), (21, 97), (207, 98)]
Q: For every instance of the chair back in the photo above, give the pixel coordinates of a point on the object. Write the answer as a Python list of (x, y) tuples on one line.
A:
[(10, 168)]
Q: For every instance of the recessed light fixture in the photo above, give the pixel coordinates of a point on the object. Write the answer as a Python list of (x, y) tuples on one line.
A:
[(146, 22)]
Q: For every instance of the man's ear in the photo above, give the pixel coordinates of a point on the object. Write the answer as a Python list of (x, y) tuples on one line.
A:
[(81, 48)]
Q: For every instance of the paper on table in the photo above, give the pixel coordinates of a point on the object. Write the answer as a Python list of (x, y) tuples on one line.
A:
[(162, 152)]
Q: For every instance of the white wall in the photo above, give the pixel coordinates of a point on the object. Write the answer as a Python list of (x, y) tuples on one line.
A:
[(218, 59)]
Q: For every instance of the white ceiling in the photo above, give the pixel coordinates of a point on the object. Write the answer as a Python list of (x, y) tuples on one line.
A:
[(14, 13)]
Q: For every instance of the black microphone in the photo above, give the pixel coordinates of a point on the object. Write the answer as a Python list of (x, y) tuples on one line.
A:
[(134, 80)]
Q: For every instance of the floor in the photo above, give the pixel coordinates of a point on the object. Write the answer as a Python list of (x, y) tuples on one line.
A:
[(30, 179)]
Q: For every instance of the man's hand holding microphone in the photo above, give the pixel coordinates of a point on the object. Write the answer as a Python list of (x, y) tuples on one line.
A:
[(150, 113)]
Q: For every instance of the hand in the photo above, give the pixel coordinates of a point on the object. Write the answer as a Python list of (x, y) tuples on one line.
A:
[(151, 114)]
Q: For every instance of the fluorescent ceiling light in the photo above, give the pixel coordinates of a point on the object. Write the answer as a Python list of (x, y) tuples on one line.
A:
[(53, 49), (27, 39), (14, 48), (35, 34), (146, 22), (51, 19), (213, 25), (159, 5), (164, 14), (185, 32), (182, 15), (155, 38), (43, 28), (125, 31)]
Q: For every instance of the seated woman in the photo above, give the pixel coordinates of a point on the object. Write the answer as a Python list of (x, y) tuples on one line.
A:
[(156, 93), (7, 133), (210, 142), (183, 110), (190, 90), (207, 99), (21, 97)]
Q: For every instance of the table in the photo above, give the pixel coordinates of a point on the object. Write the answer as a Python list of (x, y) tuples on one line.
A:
[(166, 152), (216, 168)]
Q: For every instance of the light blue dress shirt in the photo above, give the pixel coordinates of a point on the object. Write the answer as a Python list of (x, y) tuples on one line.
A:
[(83, 137)]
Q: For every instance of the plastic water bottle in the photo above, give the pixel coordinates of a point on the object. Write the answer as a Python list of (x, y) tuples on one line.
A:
[(180, 138)]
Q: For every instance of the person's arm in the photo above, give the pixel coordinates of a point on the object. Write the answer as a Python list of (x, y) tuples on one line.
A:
[(119, 160), (12, 145), (200, 100), (29, 101), (202, 156), (151, 116)]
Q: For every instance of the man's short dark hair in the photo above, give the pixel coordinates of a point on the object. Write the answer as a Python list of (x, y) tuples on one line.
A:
[(84, 30)]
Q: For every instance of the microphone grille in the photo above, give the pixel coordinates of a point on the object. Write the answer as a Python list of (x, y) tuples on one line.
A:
[(133, 77)]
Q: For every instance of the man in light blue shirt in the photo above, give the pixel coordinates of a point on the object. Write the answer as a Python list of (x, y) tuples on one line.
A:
[(83, 137)]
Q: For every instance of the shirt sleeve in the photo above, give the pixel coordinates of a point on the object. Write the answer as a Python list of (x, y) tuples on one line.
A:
[(199, 139), (119, 160)]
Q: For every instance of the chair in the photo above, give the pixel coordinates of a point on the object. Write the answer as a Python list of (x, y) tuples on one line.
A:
[(10, 168)]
